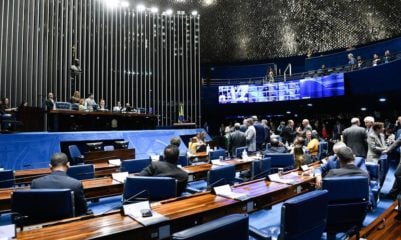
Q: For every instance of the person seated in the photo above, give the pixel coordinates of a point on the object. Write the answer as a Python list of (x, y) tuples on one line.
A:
[(127, 108), (197, 143), (102, 106), (347, 166), (376, 60), (276, 146), (360, 62), (168, 168), (5, 106), (90, 102), (58, 179), (118, 107), (76, 97), (82, 106)]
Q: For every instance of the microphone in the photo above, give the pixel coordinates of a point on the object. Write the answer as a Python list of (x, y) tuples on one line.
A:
[(214, 184), (261, 174), (128, 200)]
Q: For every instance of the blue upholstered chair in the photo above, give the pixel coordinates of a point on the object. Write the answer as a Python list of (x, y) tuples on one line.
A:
[(151, 188), (216, 154), (384, 166), (81, 172), (261, 168), (374, 180), (75, 154), (238, 151), (348, 201), (41, 205), (183, 161), (230, 227), (215, 177), (323, 150), (134, 165), (302, 218), (281, 160), (7, 179), (75, 106), (63, 105)]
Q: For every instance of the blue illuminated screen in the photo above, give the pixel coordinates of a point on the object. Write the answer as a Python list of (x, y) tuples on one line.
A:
[(307, 88)]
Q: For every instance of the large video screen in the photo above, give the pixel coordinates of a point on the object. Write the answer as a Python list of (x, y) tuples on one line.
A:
[(307, 88)]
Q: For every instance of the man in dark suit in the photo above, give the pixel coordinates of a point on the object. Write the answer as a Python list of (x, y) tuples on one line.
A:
[(235, 139), (347, 166), (396, 189), (355, 137), (260, 133), (49, 103), (289, 133), (168, 168), (58, 179)]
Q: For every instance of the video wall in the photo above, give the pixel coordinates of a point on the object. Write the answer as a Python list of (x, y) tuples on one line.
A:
[(317, 87)]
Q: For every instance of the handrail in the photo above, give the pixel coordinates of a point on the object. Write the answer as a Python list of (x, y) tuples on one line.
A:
[(289, 67)]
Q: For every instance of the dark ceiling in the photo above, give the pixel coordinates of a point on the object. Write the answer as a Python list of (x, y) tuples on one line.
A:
[(246, 30)]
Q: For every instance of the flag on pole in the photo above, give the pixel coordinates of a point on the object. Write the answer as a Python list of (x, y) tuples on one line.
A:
[(181, 113)]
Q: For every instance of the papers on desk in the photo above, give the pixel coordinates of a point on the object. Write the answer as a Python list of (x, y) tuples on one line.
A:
[(120, 177), (135, 210), (225, 191), (290, 178), (115, 162), (7, 232), (219, 163)]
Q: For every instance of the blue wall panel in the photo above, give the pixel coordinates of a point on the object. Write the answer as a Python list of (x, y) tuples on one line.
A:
[(33, 150)]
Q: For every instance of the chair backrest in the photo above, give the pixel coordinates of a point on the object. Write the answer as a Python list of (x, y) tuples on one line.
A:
[(233, 226), (183, 161), (348, 201), (153, 188), (75, 106), (384, 166), (7, 179), (373, 170), (299, 222), (238, 151), (63, 105), (221, 175), (74, 151), (282, 160), (323, 149), (260, 168), (80, 172), (215, 154), (41, 205), (304, 217), (134, 165)]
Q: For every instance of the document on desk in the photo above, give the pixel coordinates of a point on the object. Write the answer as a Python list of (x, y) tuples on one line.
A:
[(291, 178), (219, 163), (225, 191), (134, 211), (115, 162), (120, 177)]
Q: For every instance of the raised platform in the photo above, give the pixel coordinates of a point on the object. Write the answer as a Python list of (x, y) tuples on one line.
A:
[(33, 150)]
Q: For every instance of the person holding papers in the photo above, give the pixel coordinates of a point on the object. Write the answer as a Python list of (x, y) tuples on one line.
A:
[(168, 168)]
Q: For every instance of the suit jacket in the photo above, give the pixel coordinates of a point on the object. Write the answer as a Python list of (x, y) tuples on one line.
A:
[(347, 170), (288, 135), (355, 137), (260, 133), (236, 139), (250, 135), (166, 169), (376, 145), (333, 163), (60, 180)]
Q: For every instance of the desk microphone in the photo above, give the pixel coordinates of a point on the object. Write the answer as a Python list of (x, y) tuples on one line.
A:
[(214, 184), (261, 174), (128, 200)]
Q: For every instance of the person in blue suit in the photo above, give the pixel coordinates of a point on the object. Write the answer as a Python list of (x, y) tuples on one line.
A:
[(58, 179)]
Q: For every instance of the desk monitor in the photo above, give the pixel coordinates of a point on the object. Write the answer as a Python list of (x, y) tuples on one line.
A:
[(121, 144), (95, 146)]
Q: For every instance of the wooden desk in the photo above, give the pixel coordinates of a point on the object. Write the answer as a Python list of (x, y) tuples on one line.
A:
[(384, 227), (26, 176), (182, 213), (104, 156), (200, 171), (67, 120)]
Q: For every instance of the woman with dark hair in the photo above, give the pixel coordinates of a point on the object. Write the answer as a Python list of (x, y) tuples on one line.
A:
[(376, 142)]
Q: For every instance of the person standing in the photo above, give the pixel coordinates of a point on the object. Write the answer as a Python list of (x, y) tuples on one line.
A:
[(50, 104), (235, 139), (355, 137), (250, 135), (376, 143)]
